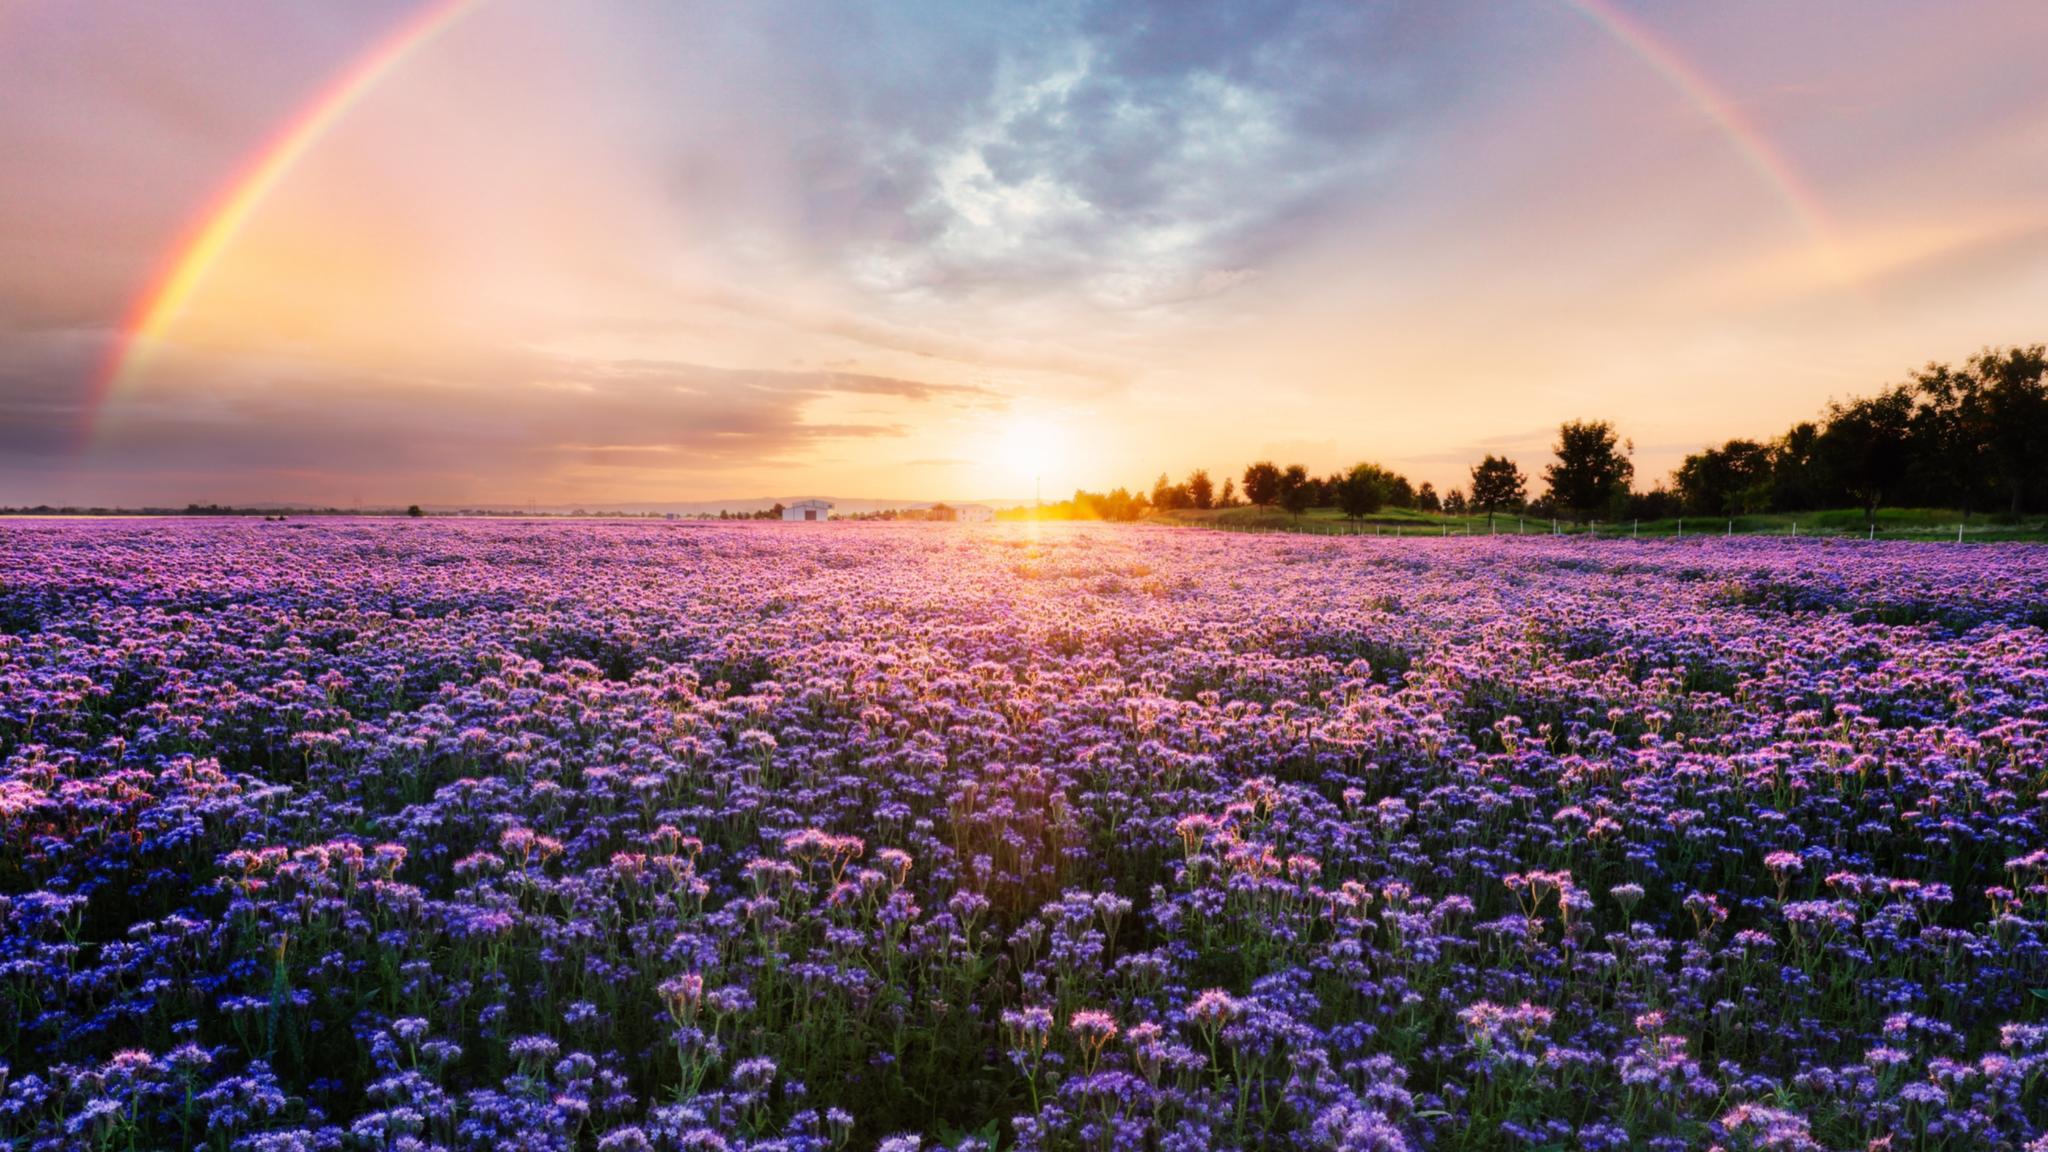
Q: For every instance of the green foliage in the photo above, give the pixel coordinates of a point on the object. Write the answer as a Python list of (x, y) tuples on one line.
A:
[(1297, 491), (1591, 467), (1363, 491), (1867, 446), (1116, 504), (1262, 483), (1498, 485), (1726, 481)]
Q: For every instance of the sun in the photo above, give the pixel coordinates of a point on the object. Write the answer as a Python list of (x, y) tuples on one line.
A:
[(1031, 449)]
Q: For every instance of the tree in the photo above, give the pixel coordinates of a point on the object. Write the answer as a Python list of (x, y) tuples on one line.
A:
[(2015, 399), (1425, 498), (1866, 447), (1951, 436), (1228, 497), (1201, 492), (1657, 504), (1797, 482), (1297, 491), (1262, 483), (1591, 469), (1119, 504), (1497, 486), (1725, 481), (1454, 502), (413, 510), (1363, 490), (1168, 496)]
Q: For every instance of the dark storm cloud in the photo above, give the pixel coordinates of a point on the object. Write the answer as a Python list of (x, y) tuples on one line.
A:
[(1142, 152)]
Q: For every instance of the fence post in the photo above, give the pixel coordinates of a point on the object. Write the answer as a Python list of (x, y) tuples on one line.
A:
[(1636, 532), (1731, 526), (1959, 533), (1681, 527)]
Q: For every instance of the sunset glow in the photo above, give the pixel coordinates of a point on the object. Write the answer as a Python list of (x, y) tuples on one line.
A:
[(1023, 575), (512, 252)]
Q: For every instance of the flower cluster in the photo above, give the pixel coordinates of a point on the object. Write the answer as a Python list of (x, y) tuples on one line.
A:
[(652, 837)]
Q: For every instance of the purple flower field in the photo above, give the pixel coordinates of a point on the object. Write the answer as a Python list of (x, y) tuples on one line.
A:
[(497, 835)]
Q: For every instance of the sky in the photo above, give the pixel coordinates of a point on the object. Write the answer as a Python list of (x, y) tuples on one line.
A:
[(521, 252)]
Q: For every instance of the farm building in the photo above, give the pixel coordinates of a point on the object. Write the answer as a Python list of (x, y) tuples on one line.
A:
[(974, 513), (808, 510)]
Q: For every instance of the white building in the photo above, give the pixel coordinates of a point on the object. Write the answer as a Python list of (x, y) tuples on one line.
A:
[(808, 510), (974, 513)]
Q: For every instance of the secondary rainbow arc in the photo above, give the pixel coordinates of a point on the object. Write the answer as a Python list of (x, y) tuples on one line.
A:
[(167, 295), (1750, 142)]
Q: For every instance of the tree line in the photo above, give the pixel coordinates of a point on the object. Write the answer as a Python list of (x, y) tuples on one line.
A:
[(1972, 437)]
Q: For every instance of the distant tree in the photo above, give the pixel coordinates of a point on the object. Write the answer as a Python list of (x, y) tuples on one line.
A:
[(1119, 504), (1297, 491), (1363, 490), (1262, 483), (1866, 447), (2015, 399), (1952, 437), (413, 510), (1228, 497), (1400, 493), (772, 512), (1426, 498), (1454, 502), (1592, 468), (1659, 503), (1201, 492), (1726, 481), (1168, 496), (1497, 486), (1797, 480)]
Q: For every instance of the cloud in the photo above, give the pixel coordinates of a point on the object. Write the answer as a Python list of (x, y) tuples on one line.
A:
[(264, 431), (1151, 154), (818, 383)]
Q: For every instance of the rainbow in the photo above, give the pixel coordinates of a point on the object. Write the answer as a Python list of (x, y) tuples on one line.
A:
[(153, 312), (150, 318), (1750, 141)]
